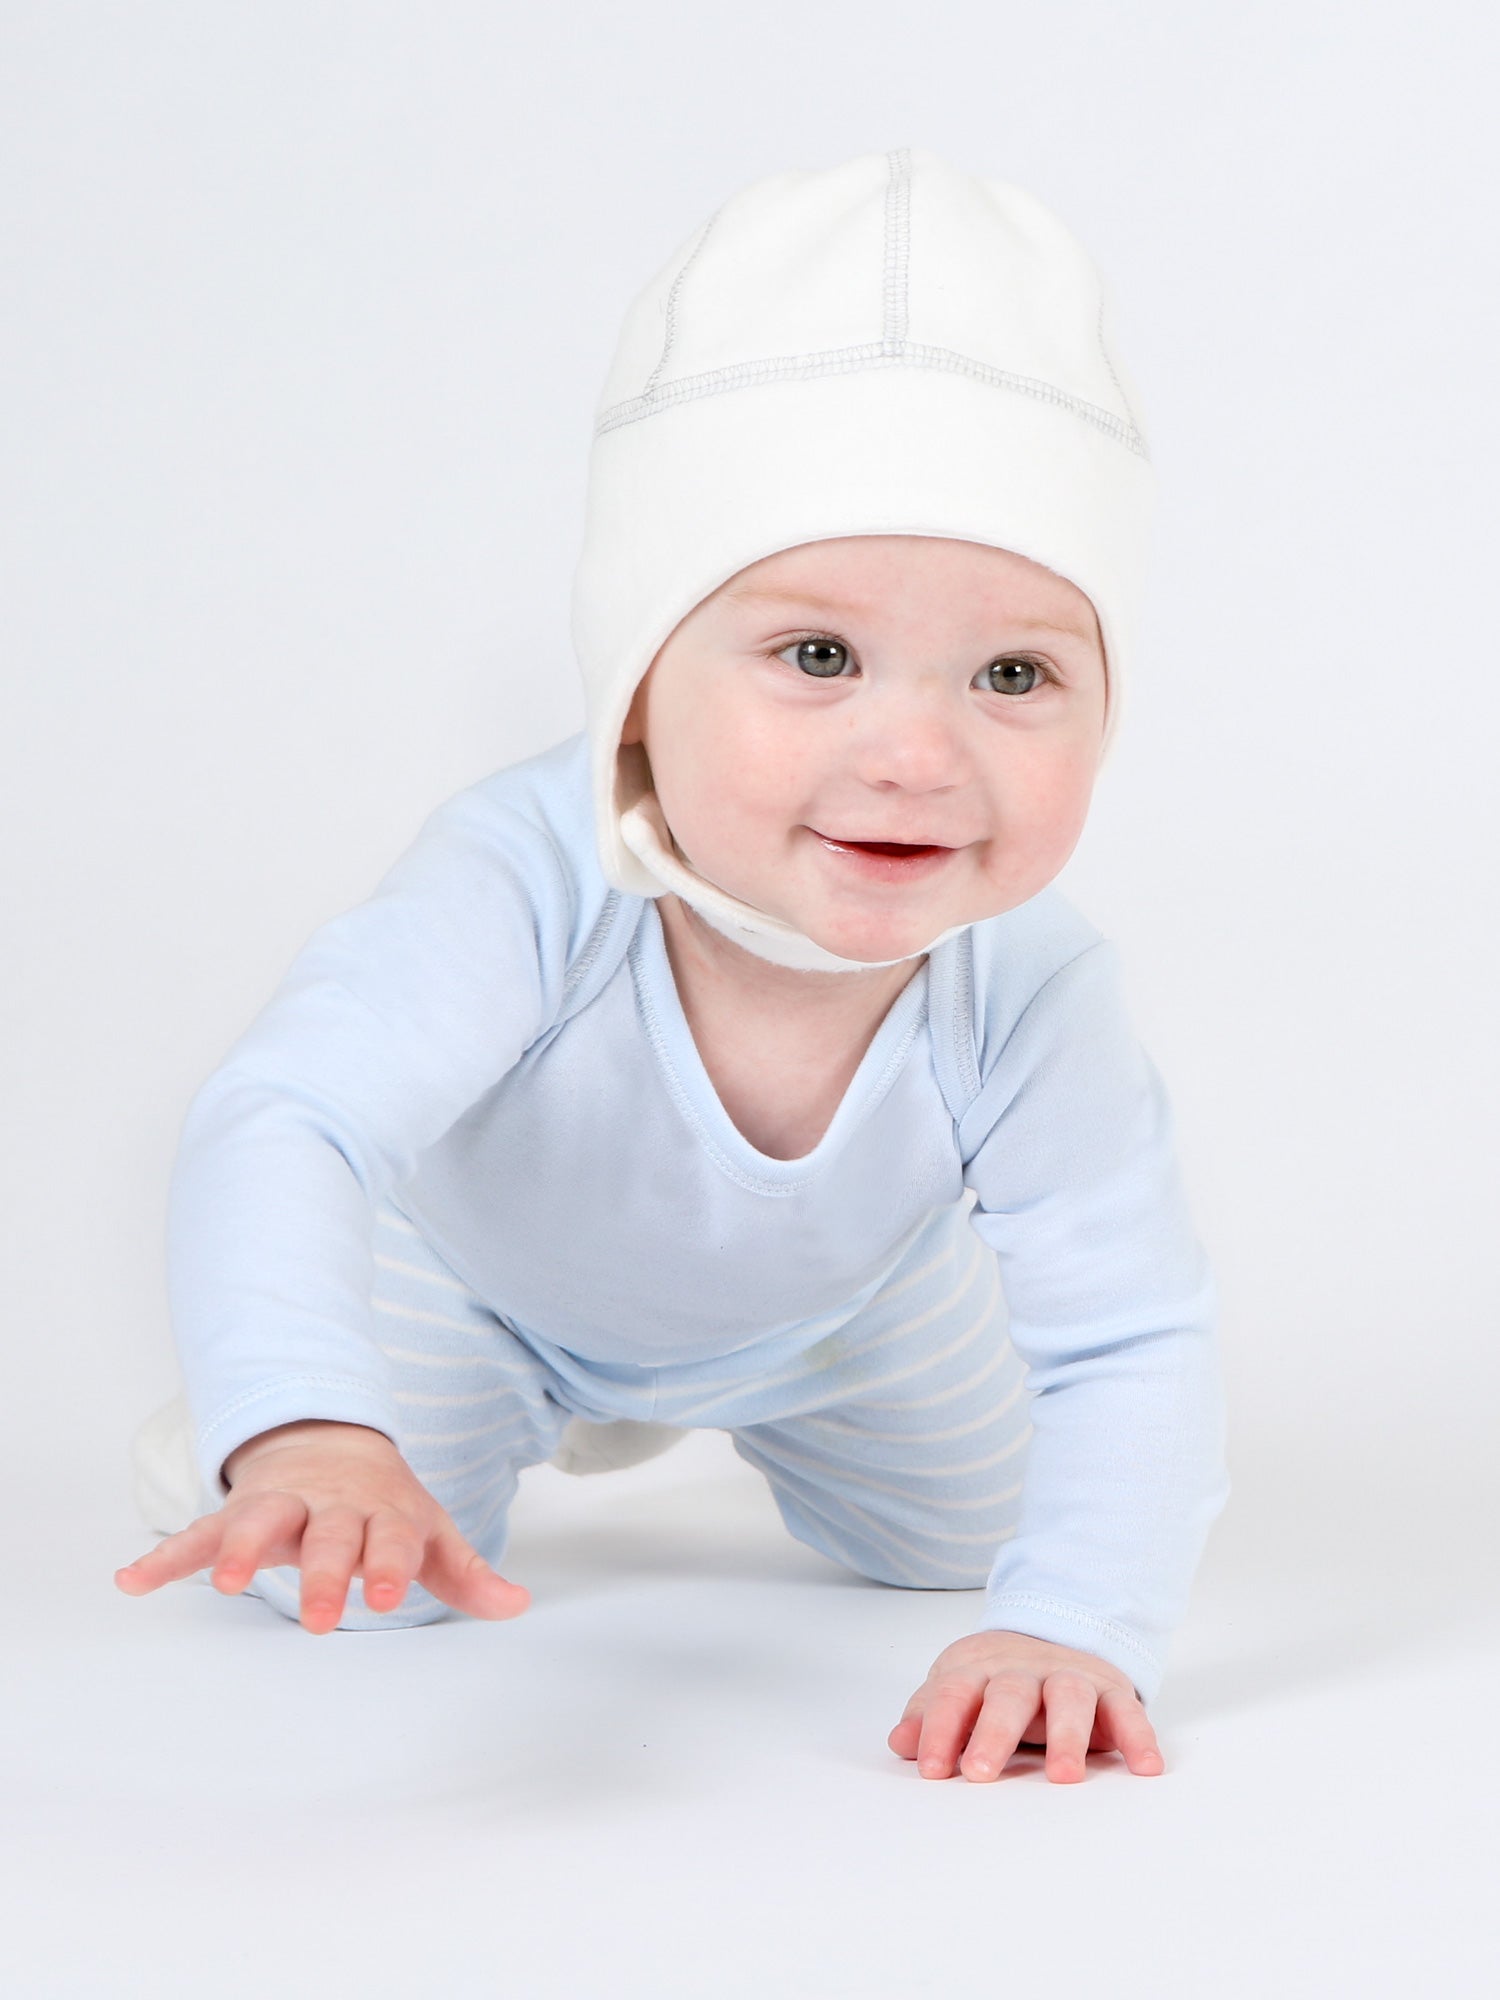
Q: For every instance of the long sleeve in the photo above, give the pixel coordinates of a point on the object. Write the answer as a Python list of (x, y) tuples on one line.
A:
[(392, 1019), (1069, 1148)]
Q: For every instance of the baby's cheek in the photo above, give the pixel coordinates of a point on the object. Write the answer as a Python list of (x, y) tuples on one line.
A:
[(1035, 849)]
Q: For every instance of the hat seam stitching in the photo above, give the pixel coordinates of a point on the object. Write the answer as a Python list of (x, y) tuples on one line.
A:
[(1119, 385), (672, 295), (897, 248), (849, 360)]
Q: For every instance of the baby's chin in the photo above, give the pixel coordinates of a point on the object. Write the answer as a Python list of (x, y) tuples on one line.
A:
[(854, 927), (874, 941), (877, 937)]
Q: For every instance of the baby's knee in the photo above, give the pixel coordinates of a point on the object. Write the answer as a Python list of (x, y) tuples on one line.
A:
[(916, 1565), (929, 1570)]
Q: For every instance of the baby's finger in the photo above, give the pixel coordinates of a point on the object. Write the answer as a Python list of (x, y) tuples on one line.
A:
[(457, 1573), (260, 1530), (904, 1738), (947, 1719), (1010, 1701), (331, 1545), (1070, 1700), (1129, 1730), (174, 1557), (392, 1557)]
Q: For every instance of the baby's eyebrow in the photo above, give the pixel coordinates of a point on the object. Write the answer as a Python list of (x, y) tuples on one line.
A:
[(750, 593)]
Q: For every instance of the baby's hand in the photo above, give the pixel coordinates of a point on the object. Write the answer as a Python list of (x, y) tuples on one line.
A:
[(339, 1501), (996, 1690)]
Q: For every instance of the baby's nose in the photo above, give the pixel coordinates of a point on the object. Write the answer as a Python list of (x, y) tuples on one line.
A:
[(915, 743)]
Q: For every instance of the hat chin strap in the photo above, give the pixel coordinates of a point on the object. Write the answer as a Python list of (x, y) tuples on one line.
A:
[(643, 828)]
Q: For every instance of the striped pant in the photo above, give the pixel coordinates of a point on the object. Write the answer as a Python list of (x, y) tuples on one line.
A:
[(894, 1444)]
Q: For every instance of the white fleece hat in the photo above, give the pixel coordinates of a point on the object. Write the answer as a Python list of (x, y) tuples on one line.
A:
[(888, 346)]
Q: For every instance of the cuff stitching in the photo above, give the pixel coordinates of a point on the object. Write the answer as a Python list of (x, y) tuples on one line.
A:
[(1089, 1620)]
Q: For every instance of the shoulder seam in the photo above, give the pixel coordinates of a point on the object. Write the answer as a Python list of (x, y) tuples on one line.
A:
[(1056, 973)]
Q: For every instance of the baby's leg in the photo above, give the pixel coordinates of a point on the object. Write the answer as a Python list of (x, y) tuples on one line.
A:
[(474, 1410), (907, 1467)]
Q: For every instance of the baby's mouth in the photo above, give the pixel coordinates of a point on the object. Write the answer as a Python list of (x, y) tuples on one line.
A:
[(889, 861), (899, 849)]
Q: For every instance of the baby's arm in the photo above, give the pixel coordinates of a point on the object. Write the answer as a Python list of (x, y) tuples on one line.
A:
[(1111, 1305), (337, 1501), (392, 1021)]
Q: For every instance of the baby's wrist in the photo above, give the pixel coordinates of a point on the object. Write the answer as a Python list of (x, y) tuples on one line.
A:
[(303, 1431)]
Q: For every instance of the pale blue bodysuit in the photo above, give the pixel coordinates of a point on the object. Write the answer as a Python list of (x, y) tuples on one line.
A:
[(466, 1176)]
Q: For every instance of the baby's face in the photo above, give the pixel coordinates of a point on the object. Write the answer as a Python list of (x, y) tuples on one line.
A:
[(939, 694)]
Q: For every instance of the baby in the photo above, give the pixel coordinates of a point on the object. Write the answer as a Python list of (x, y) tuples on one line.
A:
[(735, 1064)]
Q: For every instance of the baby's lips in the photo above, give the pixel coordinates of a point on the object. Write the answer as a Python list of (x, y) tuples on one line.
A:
[(882, 846), (895, 847)]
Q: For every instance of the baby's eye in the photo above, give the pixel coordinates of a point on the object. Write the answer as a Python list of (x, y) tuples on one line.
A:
[(1012, 675), (822, 658)]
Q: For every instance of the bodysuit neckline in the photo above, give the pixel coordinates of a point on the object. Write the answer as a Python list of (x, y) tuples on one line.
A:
[(692, 1088)]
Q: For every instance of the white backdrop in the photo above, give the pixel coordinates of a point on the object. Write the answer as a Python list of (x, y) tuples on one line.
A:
[(306, 309)]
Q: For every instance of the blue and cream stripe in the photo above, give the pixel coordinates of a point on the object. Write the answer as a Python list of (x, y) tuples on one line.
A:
[(893, 1440)]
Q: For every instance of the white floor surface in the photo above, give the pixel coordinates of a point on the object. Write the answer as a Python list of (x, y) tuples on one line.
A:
[(670, 1776)]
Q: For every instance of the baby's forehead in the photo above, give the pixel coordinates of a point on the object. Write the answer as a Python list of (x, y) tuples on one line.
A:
[(893, 563), (892, 577)]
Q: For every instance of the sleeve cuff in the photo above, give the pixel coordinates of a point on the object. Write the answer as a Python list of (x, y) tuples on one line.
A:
[(1070, 1625), (292, 1399)]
